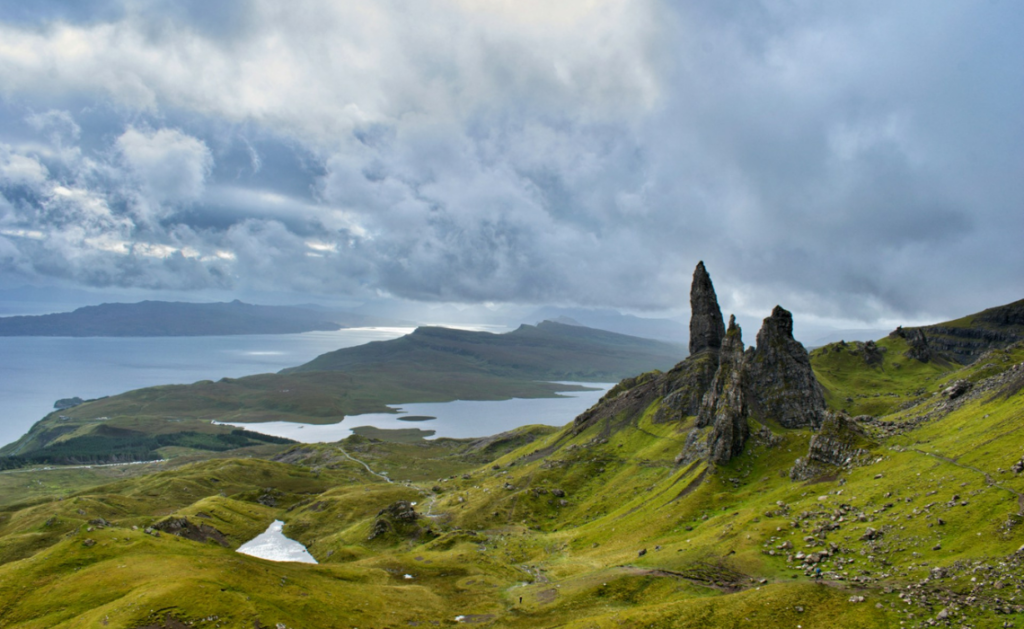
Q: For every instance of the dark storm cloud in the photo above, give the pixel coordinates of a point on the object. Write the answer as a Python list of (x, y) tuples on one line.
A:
[(857, 163)]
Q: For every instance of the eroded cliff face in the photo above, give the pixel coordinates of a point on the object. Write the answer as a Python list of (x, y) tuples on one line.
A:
[(782, 383), (726, 388), (964, 340), (724, 406)]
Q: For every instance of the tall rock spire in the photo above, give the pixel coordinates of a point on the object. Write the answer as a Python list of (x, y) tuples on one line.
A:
[(707, 328)]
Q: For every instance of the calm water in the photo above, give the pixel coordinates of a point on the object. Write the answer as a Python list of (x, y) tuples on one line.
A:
[(459, 419), (37, 371)]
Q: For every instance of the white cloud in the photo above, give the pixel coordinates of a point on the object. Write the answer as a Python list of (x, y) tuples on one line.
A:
[(171, 167), (833, 156)]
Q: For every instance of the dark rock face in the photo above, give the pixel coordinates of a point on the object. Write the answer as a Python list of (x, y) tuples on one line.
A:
[(782, 383), (722, 385), (398, 517), (965, 340), (836, 446), (918, 342), (724, 406), (68, 402), (182, 527), (707, 328)]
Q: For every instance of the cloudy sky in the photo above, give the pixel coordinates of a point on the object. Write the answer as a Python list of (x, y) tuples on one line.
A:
[(860, 163)]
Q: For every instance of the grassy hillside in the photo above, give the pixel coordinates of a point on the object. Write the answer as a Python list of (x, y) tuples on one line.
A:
[(577, 527), (547, 351)]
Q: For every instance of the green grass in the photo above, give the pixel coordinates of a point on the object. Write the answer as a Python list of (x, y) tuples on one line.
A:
[(545, 527), (859, 388)]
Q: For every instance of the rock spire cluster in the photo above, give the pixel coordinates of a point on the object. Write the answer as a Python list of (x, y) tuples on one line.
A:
[(733, 391), (771, 382)]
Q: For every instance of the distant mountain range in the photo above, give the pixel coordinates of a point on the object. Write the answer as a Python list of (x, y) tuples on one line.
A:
[(166, 318), (670, 330)]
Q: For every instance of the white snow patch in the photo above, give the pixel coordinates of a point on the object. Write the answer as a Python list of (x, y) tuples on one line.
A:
[(274, 546)]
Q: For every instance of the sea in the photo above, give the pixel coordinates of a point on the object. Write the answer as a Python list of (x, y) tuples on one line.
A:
[(37, 371)]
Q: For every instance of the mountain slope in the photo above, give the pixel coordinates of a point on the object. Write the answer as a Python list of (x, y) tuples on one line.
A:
[(964, 340), (547, 351), (161, 318)]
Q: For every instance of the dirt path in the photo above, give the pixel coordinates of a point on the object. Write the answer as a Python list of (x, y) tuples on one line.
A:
[(352, 458)]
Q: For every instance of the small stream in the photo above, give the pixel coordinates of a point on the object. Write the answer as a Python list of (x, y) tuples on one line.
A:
[(272, 545)]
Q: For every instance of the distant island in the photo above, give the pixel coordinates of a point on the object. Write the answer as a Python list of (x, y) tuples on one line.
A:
[(167, 318)]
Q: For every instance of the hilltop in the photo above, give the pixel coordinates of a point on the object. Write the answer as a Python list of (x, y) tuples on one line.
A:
[(860, 485), (165, 318), (546, 351)]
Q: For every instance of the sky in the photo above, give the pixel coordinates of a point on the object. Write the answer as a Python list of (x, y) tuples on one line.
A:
[(861, 163)]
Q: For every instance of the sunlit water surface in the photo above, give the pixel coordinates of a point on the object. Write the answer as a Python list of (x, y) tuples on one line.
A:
[(459, 419), (37, 371)]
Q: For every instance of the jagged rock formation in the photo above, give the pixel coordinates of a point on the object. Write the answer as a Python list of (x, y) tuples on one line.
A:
[(836, 446), (722, 385), (724, 406), (682, 388), (707, 328), (782, 382)]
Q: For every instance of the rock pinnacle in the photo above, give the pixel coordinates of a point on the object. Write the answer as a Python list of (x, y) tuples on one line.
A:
[(707, 329)]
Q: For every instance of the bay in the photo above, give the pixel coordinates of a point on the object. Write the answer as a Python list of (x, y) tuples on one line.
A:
[(37, 371), (459, 419)]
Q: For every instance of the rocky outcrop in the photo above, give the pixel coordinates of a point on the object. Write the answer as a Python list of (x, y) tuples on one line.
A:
[(917, 340), (682, 388), (724, 406), (707, 328), (197, 532), (399, 519), (722, 385), (782, 383), (964, 340), (839, 444)]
